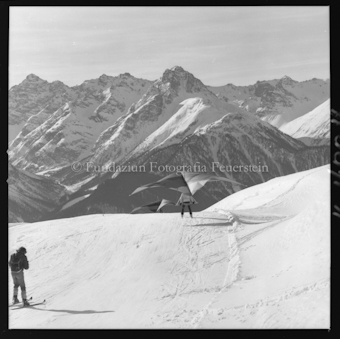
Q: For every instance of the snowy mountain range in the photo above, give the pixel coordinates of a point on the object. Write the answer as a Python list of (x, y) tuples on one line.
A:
[(97, 117), (259, 259), (66, 122), (277, 101), (175, 120)]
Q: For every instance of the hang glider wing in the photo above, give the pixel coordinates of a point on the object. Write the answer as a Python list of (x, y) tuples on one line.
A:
[(164, 203), (185, 182), (173, 181), (196, 181), (154, 206)]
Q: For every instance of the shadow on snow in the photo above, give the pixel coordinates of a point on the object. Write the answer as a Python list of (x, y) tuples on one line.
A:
[(70, 311), (212, 224)]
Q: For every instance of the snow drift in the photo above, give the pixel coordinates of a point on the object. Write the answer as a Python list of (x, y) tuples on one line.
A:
[(257, 259)]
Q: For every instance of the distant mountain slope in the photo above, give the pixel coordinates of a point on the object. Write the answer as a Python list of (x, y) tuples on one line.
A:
[(31, 196), (312, 128), (34, 97), (238, 139)]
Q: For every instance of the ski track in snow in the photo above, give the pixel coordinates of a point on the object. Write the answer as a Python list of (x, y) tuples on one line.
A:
[(231, 272), (267, 319)]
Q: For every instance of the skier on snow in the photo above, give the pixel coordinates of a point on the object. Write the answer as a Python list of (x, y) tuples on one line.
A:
[(186, 200), (18, 262)]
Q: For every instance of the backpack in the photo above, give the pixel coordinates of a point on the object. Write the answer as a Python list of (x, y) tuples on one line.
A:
[(15, 262)]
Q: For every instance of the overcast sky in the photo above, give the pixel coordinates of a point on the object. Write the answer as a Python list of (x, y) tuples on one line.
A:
[(219, 45)]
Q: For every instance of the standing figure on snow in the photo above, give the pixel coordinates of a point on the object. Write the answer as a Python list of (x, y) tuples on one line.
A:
[(18, 262), (186, 200)]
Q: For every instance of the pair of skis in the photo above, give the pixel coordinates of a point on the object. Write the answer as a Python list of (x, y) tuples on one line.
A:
[(18, 305)]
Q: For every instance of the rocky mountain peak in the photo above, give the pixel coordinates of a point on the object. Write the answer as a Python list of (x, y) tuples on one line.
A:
[(57, 84), (125, 75), (33, 78), (287, 80), (178, 69), (263, 88), (175, 72), (104, 79), (177, 76)]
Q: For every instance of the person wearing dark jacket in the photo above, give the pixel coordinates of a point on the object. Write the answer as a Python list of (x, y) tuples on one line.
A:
[(18, 263)]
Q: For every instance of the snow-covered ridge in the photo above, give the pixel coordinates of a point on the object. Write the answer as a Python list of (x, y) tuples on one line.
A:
[(312, 128), (194, 114)]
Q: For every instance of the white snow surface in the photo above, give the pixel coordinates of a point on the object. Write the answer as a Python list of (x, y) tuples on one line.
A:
[(314, 125), (260, 258)]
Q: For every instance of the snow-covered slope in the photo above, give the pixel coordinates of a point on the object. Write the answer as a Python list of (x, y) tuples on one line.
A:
[(268, 267), (277, 101), (194, 114), (284, 244), (287, 194), (64, 132), (31, 196), (312, 128)]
